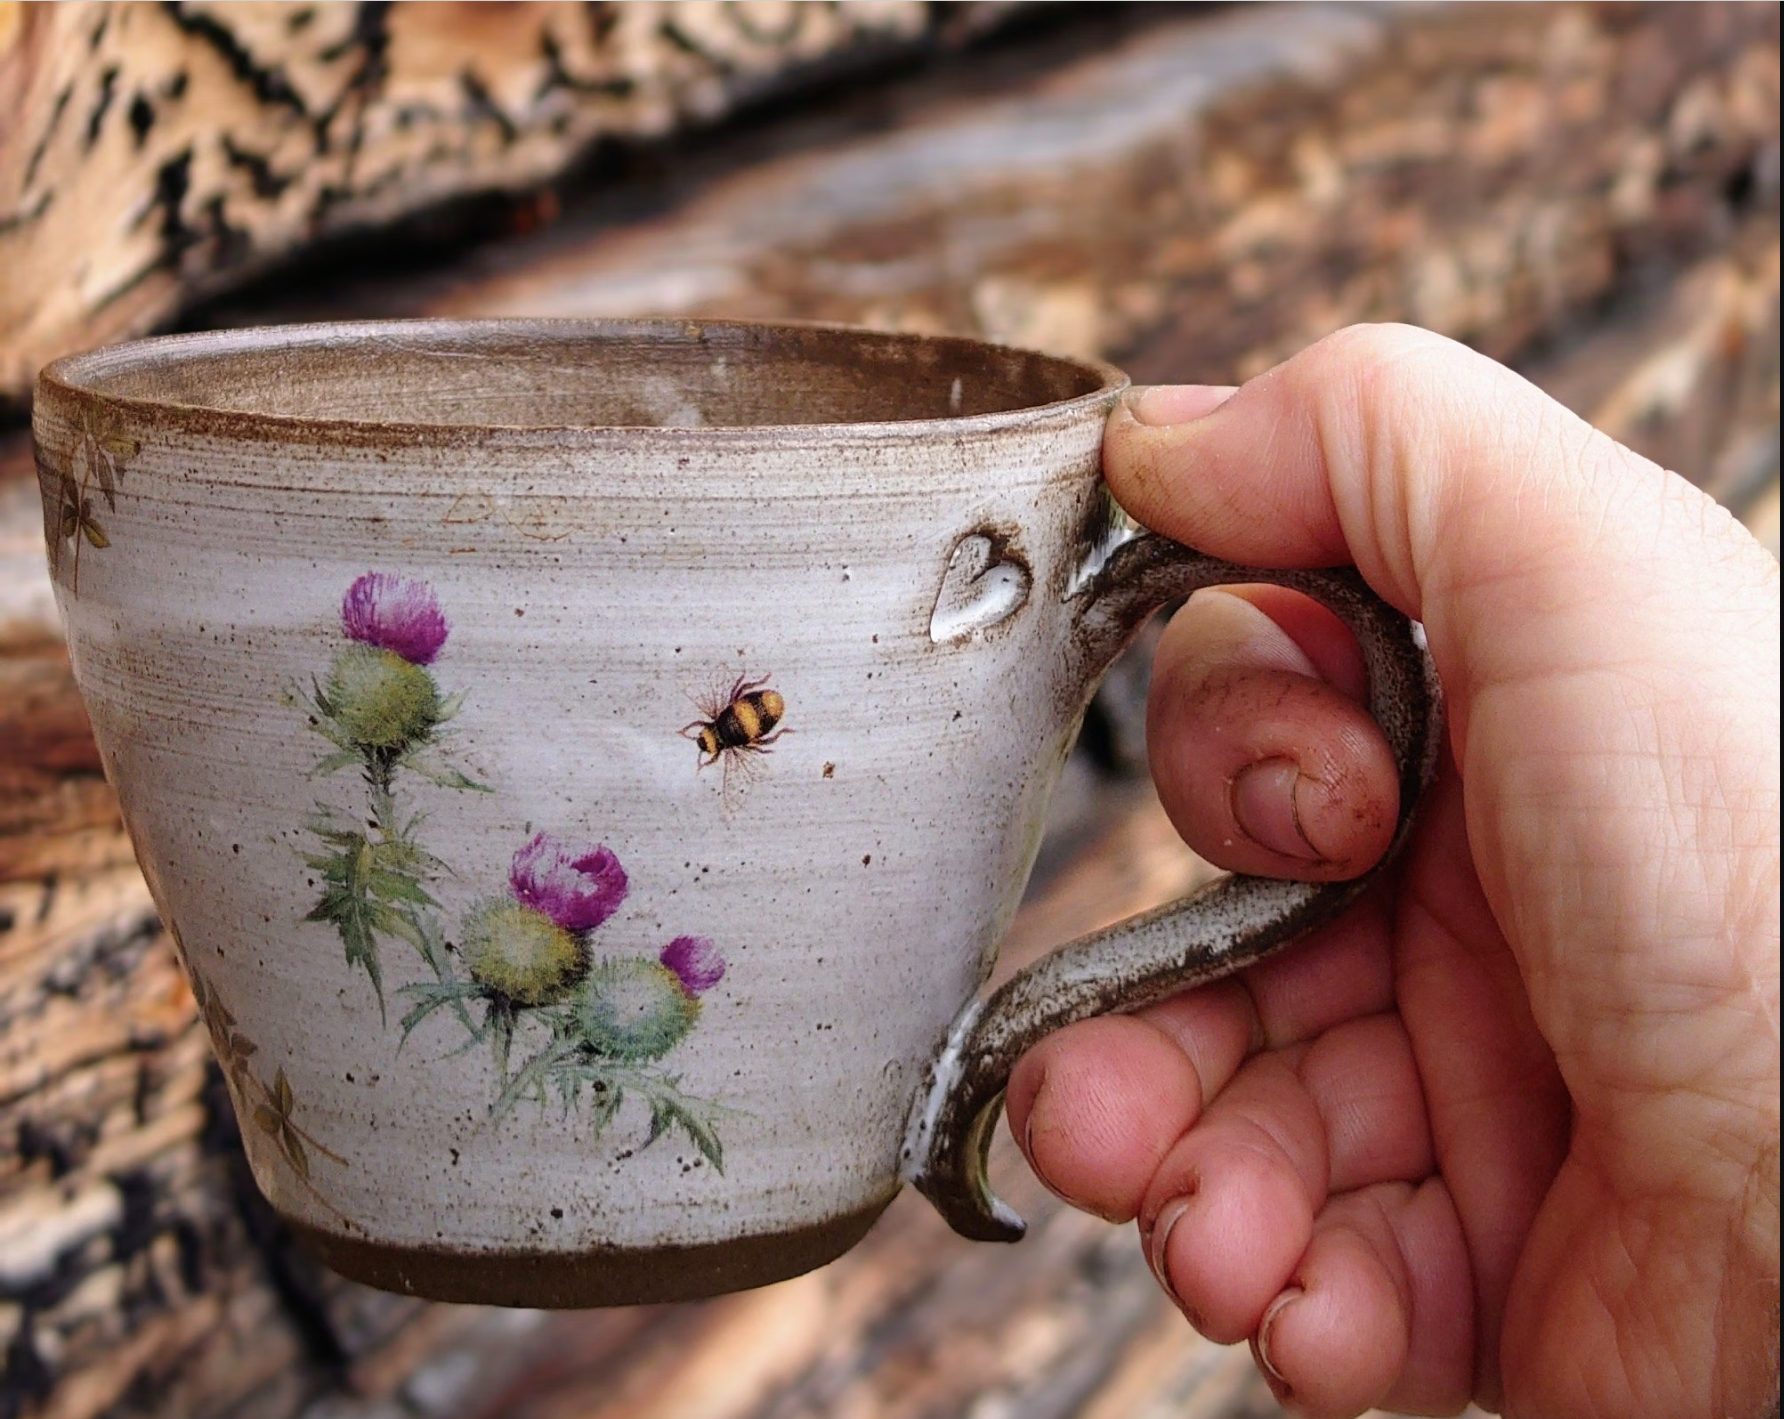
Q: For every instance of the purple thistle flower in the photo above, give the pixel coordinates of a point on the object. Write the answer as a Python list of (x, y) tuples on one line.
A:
[(696, 963), (402, 617), (577, 885)]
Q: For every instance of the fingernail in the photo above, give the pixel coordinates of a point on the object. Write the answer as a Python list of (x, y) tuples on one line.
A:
[(1165, 404), (1277, 1307), (1263, 802), (1158, 1249)]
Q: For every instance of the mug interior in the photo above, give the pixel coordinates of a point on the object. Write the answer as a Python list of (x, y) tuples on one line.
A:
[(584, 374)]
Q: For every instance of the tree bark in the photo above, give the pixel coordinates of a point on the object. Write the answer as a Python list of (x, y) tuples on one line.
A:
[(150, 153)]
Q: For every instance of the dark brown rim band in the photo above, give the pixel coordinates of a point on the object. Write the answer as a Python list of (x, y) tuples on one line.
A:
[(601, 1276)]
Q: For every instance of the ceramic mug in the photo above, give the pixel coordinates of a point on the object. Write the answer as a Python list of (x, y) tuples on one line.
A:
[(587, 767)]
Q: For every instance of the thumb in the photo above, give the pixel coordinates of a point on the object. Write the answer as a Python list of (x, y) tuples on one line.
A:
[(1608, 640)]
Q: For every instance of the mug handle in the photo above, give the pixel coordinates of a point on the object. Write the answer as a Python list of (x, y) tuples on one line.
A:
[(1209, 934)]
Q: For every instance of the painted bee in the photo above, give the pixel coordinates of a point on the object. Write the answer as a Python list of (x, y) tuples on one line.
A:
[(736, 724)]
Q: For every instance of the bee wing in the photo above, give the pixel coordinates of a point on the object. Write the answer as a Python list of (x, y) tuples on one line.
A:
[(711, 701), (741, 768), (735, 775)]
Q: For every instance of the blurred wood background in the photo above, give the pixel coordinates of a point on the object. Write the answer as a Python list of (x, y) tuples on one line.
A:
[(1589, 192)]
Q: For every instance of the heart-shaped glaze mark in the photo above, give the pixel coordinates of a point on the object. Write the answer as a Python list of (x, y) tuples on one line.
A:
[(987, 582)]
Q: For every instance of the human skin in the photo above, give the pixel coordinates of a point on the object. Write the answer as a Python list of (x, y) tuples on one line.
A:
[(1508, 1131)]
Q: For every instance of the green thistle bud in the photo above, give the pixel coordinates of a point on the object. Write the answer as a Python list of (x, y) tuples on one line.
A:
[(381, 700), (521, 954), (634, 1010)]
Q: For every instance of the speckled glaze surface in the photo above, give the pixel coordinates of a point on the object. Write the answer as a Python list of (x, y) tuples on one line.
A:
[(587, 766)]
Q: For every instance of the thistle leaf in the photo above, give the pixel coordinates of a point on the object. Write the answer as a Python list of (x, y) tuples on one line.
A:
[(346, 905), (606, 1106), (397, 887), (92, 531), (424, 931), (408, 925), (334, 763), (432, 996), (444, 775), (705, 1138), (522, 1082), (375, 972), (669, 1108)]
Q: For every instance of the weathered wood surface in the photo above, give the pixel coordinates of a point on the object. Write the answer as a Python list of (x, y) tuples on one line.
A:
[(140, 1275), (1196, 197), (149, 152)]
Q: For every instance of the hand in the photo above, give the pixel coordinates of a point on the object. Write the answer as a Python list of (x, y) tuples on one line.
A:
[(1508, 1131)]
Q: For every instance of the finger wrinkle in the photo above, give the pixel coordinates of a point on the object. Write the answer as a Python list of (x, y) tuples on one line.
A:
[(1260, 1033), (1370, 1216), (1343, 971), (1364, 1082), (1360, 426), (1201, 1022), (1280, 1126)]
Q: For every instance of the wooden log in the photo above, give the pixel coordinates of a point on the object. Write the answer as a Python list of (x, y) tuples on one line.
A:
[(1689, 376), (56, 812), (150, 152), (125, 1210), (1202, 196)]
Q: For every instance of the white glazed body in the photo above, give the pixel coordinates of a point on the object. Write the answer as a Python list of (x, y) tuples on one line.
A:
[(595, 583)]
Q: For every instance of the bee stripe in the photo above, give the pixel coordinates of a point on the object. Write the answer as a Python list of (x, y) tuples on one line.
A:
[(734, 732), (769, 707)]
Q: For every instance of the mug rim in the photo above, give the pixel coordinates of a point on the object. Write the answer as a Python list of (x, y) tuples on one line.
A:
[(77, 376)]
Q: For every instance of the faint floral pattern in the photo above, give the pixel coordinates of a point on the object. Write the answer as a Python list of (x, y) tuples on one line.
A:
[(95, 461), (272, 1108)]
